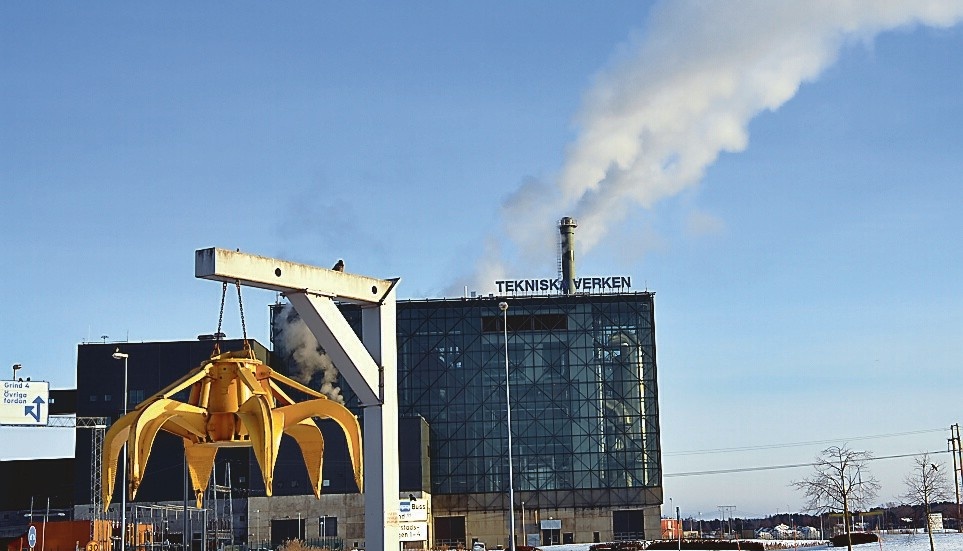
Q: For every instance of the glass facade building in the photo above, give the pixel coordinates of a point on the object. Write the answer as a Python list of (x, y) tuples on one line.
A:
[(584, 396)]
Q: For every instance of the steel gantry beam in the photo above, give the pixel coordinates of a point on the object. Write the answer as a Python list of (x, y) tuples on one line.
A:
[(368, 365)]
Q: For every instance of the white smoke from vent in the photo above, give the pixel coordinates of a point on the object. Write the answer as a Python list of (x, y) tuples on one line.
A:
[(684, 92), (312, 366)]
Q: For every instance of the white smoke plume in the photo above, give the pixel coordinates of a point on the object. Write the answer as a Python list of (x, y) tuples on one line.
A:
[(312, 366), (684, 92)]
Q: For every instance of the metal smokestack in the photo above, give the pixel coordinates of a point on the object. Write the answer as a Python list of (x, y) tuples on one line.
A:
[(566, 227)]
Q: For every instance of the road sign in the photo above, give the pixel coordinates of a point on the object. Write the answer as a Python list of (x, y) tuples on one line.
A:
[(25, 403), (32, 536), (413, 511), (413, 531)]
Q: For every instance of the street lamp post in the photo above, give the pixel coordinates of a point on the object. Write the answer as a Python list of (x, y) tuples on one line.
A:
[(258, 528), (118, 355), (43, 530), (524, 533), (503, 306), (46, 517), (16, 367)]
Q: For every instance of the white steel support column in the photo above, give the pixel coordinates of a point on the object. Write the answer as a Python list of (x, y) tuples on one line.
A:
[(369, 364), (381, 421), (341, 344), (377, 388)]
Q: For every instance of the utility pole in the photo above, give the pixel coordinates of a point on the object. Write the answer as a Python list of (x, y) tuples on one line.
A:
[(724, 509), (955, 448)]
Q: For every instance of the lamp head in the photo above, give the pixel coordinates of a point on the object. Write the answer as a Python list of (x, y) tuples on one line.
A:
[(503, 306), (118, 355)]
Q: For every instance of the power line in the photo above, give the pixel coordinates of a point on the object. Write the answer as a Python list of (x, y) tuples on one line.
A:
[(789, 466), (796, 444)]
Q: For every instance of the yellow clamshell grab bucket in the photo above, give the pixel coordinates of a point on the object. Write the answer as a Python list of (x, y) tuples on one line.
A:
[(235, 400)]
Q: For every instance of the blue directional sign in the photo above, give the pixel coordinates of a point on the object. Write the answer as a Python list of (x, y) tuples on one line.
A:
[(32, 536), (24, 403)]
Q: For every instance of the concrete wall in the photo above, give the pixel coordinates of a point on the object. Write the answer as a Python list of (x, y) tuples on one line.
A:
[(581, 523), (348, 508), (490, 527)]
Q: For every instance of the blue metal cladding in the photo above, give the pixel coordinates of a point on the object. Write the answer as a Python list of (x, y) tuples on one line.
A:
[(583, 390)]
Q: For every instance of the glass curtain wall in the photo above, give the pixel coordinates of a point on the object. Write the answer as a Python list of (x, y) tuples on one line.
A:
[(583, 388)]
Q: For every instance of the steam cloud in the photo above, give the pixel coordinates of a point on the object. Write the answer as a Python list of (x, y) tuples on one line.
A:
[(671, 102), (310, 362)]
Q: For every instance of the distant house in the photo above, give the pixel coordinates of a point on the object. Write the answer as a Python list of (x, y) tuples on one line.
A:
[(783, 532), (808, 532), (779, 532), (764, 534)]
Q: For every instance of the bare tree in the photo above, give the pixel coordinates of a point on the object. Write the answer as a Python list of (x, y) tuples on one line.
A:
[(925, 484), (840, 481)]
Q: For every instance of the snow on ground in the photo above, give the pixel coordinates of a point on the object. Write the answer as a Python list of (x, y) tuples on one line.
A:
[(952, 541)]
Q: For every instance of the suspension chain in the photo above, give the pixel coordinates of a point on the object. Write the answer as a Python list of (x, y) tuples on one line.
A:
[(240, 305), (220, 316), (220, 320)]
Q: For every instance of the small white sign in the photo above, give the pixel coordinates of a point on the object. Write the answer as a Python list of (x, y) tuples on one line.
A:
[(413, 511), (413, 531), (24, 403)]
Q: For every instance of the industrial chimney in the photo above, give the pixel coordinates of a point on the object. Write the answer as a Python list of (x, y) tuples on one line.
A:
[(566, 227)]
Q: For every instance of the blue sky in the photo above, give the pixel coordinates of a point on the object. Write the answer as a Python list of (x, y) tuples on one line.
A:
[(802, 233)]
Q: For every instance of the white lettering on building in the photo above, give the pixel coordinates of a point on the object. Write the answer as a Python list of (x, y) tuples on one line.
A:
[(581, 284)]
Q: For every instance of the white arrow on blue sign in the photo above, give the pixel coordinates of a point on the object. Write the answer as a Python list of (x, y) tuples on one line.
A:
[(32, 536)]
